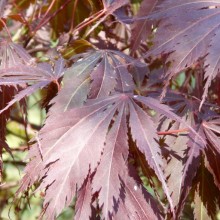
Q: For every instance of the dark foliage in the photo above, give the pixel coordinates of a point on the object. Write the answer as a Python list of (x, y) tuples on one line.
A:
[(133, 125)]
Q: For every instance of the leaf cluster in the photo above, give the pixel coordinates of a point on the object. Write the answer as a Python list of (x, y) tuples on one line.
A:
[(131, 92)]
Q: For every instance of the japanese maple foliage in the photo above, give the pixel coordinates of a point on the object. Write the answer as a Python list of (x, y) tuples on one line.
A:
[(133, 125)]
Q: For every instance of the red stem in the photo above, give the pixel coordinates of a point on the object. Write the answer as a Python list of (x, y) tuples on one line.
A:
[(172, 131), (85, 23)]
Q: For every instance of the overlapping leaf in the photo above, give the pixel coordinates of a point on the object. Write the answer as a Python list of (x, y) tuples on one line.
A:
[(176, 145), (206, 199), (16, 65), (186, 165), (191, 164), (18, 68), (12, 55), (82, 135), (189, 30), (98, 74), (98, 114), (183, 160), (73, 147)]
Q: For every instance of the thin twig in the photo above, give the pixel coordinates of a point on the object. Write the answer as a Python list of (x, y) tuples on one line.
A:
[(88, 21), (172, 131)]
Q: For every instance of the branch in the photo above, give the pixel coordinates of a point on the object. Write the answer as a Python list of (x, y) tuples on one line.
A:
[(89, 21)]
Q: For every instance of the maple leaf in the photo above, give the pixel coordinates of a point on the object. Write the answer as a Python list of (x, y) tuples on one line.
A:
[(84, 135), (97, 74), (184, 150), (38, 76), (105, 119), (18, 68), (188, 30), (191, 164), (146, 142), (124, 79), (12, 55), (76, 83), (176, 145), (84, 131)]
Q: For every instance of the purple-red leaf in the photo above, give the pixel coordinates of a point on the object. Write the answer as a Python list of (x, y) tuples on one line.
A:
[(12, 55), (81, 140), (75, 145), (188, 30), (76, 84), (175, 165), (39, 76), (96, 75)]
